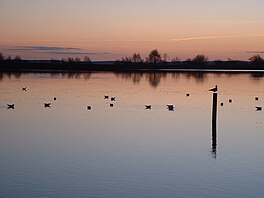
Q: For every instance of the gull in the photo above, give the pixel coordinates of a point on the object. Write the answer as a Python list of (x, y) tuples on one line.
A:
[(259, 108), (113, 98), (47, 105), (215, 89), (24, 88), (106, 97), (147, 106), (170, 107)]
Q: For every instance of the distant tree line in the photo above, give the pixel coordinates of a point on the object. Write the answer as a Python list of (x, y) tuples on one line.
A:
[(154, 57), (9, 58)]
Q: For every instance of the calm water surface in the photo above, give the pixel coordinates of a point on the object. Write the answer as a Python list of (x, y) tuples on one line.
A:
[(127, 151)]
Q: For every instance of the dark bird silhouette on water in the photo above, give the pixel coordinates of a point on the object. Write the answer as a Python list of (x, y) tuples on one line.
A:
[(230, 100), (222, 104), (113, 98), (187, 95), (47, 105), (215, 89), (256, 98), (24, 88), (258, 108), (147, 106), (11, 106), (170, 107), (111, 105), (106, 97), (89, 108), (54, 98)]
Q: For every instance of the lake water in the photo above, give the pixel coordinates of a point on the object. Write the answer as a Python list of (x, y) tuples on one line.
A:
[(126, 150)]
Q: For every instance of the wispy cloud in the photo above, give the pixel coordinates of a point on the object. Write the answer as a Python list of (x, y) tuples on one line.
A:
[(215, 37), (76, 53), (255, 52), (41, 48), (55, 50), (127, 40)]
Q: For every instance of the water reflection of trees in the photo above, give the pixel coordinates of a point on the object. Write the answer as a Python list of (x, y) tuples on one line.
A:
[(257, 75), (154, 78), (9, 75), (69, 75), (135, 77), (198, 76)]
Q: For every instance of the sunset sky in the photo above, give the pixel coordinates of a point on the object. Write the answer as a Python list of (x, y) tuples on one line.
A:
[(111, 29)]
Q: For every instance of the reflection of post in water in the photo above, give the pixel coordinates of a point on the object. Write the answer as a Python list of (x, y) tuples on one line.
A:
[(214, 118)]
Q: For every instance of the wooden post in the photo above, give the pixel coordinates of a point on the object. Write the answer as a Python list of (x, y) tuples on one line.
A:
[(214, 118)]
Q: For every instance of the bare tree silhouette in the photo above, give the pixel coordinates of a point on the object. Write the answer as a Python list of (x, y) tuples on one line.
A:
[(87, 59), (256, 59), (126, 60), (17, 58), (165, 57), (136, 58), (154, 57), (1, 57), (200, 58), (175, 60)]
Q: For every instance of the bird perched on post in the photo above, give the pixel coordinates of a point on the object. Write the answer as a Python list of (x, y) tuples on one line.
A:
[(215, 89)]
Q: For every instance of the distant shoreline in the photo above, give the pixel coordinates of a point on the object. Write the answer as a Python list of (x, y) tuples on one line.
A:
[(53, 66)]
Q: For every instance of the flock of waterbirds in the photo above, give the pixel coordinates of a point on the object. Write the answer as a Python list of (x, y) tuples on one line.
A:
[(170, 107)]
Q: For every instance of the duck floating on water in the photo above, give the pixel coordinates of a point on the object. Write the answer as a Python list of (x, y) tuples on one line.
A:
[(170, 107), (258, 108), (147, 106), (47, 105), (11, 106)]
